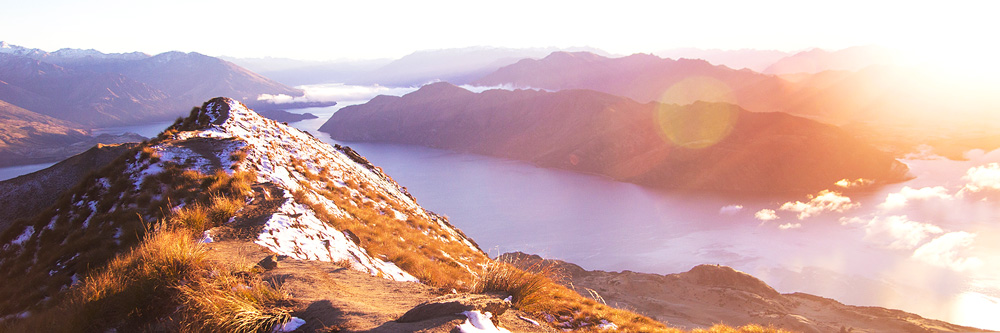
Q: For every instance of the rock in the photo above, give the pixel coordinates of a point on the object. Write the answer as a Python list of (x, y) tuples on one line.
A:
[(454, 305), (269, 263)]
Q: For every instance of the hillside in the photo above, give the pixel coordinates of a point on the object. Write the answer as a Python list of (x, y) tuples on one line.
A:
[(710, 294), (80, 96), (28, 138), (125, 249), (646, 78), (861, 87), (701, 146), (190, 78), (97, 89)]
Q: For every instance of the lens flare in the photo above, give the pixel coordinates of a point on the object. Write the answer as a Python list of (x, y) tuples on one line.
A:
[(696, 126), (698, 88)]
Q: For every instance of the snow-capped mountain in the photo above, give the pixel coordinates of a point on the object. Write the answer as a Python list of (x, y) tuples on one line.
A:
[(301, 198)]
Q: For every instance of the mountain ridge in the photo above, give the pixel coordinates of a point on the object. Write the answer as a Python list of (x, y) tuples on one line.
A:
[(700, 146)]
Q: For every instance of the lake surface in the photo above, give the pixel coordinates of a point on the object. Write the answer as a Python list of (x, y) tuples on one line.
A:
[(935, 255), (932, 251)]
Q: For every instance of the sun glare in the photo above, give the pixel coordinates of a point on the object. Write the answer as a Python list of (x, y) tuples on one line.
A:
[(701, 125)]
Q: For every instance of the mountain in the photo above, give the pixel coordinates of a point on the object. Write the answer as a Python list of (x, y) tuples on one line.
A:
[(84, 97), (902, 104), (302, 72), (819, 60), (645, 78), (752, 59), (710, 294), (96, 89), (701, 146), (20, 128), (68, 56), (164, 237), (459, 66), (189, 78), (44, 186)]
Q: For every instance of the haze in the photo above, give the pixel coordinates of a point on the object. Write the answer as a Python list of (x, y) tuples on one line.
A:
[(324, 30)]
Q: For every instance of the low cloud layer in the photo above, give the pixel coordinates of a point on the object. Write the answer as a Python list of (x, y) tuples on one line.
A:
[(339, 92), (824, 201), (907, 194), (981, 179), (950, 251), (730, 209), (895, 232), (766, 215)]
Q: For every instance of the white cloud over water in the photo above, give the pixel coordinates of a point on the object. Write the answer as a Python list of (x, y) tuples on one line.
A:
[(766, 215), (894, 232), (907, 194), (339, 92), (981, 178), (951, 251), (730, 209), (824, 201)]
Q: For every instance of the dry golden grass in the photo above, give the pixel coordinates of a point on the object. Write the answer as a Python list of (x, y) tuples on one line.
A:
[(752, 328), (164, 284)]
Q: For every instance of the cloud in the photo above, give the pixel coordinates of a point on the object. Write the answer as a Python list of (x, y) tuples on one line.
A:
[(730, 209), (860, 182), (339, 92), (899, 232), (790, 225), (906, 194), (824, 201), (981, 178), (766, 215), (336, 92), (948, 251)]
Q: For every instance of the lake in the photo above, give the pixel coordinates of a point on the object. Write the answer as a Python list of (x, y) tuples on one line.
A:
[(929, 245), (932, 249)]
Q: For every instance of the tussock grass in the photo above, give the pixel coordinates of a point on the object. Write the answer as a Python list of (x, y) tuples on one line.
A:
[(752, 328), (165, 283), (527, 289)]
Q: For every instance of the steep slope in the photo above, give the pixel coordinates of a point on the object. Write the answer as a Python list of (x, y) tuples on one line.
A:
[(710, 294), (98, 89), (116, 251), (44, 186), (705, 146), (189, 78), (310, 200), (28, 138), (80, 96), (23, 128)]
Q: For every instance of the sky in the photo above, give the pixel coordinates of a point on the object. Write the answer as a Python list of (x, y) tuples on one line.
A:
[(336, 30)]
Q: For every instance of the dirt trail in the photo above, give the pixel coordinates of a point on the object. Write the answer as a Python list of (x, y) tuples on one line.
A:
[(335, 299)]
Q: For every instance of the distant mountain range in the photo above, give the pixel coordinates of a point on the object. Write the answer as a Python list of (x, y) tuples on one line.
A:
[(888, 95), (703, 146), (752, 59), (28, 138), (96, 89), (49, 100), (458, 66), (819, 60)]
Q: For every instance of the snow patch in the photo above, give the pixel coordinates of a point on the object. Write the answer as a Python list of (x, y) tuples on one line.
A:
[(296, 232), (28, 231), (479, 322), (291, 325)]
